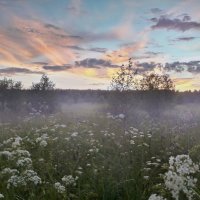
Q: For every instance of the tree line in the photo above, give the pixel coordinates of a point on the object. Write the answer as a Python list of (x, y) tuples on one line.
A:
[(127, 78), (44, 84)]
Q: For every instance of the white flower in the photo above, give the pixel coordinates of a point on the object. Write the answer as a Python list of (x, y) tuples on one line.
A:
[(16, 181), (1, 196), (43, 143), (69, 180), (9, 171), (41, 160), (60, 188), (8, 141), (63, 126), (75, 134), (24, 162), (17, 142), (32, 176), (121, 116), (179, 176), (7, 154), (132, 142), (21, 153), (44, 137), (156, 197)]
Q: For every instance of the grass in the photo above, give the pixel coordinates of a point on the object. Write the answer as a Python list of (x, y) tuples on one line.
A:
[(112, 159)]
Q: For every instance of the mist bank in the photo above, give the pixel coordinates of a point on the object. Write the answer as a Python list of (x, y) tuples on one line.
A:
[(136, 105)]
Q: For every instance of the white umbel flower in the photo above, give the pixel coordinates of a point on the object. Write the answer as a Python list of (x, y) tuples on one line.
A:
[(180, 176), (156, 197), (69, 180), (60, 188)]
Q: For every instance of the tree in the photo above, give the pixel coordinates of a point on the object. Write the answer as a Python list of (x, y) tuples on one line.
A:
[(44, 84), (155, 81), (124, 79), (9, 84)]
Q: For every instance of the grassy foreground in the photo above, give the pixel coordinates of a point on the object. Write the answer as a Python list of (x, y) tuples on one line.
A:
[(98, 156)]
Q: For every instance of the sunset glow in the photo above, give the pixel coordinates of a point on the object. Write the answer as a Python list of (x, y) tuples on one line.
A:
[(80, 44)]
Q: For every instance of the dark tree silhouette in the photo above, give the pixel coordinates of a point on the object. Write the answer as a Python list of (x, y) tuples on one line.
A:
[(124, 78), (44, 84), (9, 84), (155, 81)]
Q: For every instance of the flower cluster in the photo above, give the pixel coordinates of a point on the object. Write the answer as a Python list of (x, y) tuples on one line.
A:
[(67, 181), (42, 140), (21, 159), (179, 176), (59, 187), (156, 197)]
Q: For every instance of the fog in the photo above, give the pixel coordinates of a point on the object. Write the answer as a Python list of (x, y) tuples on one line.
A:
[(138, 107)]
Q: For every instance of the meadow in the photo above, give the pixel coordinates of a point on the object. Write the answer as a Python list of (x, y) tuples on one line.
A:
[(86, 152)]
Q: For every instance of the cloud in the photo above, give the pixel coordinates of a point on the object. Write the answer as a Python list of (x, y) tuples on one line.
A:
[(40, 63), (95, 49), (98, 49), (52, 26), (147, 66), (183, 24), (180, 39), (127, 51), (25, 40), (191, 66), (16, 70), (94, 63), (156, 10), (57, 68), (76, 48)]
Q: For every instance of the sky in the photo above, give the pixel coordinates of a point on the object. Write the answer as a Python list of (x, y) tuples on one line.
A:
[(80, 44)]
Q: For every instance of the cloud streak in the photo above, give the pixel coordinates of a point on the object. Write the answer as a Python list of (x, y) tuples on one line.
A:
[(94, 63), (16, 70), (184, 24)]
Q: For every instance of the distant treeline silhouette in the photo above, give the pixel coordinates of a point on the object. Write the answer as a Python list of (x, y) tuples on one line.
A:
[(152, 93)]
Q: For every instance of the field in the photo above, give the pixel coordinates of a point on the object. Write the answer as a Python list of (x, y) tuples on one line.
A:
[(87, 154)]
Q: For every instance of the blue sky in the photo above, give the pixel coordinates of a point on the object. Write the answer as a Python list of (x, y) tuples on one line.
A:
[(80, 44)]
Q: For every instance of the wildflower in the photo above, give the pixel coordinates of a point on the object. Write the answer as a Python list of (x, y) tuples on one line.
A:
[(6, 154), (60, 188), (21, 153), (146, 177), (24, 162), (1, 196), (41, 160), (156, 197), (75, 134), (32, 176), (121, 116), (63, 126), (69, 180), (132, 142), (17, 142), (9, 171), (43, 137), (16, 181), (179, 176), (43, 143)]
